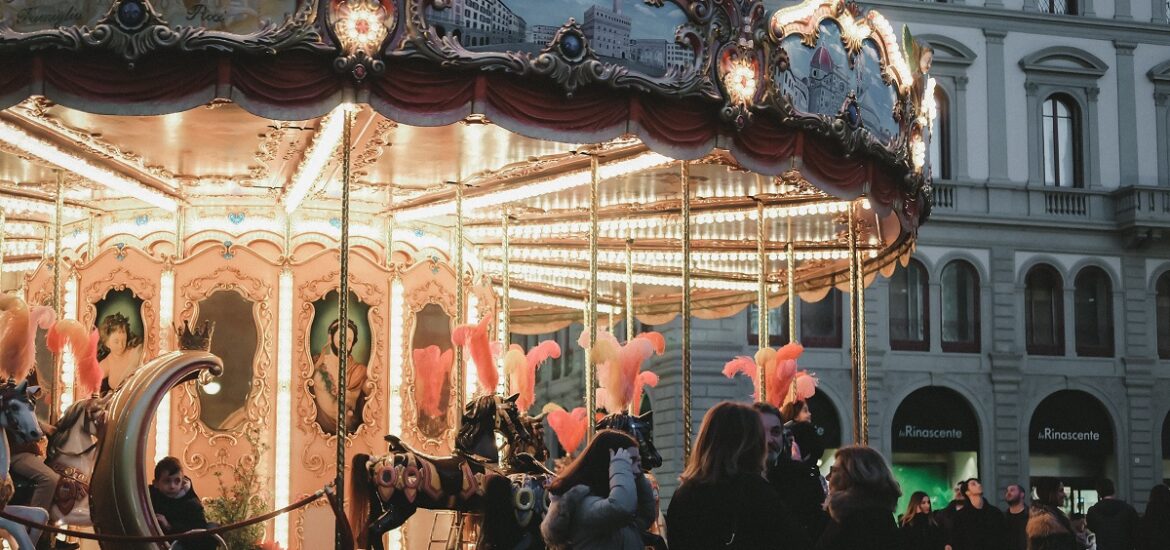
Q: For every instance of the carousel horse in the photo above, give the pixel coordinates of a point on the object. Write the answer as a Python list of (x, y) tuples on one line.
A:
[(641, 428), (388, 489), (72, 453), (18, 418)]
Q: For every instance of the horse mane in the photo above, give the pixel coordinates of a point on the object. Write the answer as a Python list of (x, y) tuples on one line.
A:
[(481, 414), (64, 426)]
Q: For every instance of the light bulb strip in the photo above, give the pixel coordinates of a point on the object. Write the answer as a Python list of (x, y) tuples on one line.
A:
[(520, 192), (578, 275), (523, 295), (166, 314), (51, 153), (68, 375), (316, 159), (283, 444), (45, 207)]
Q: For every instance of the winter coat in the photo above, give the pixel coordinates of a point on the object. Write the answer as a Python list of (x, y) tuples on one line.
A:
[(978, 528), (183, 514), (1115, 523), (1049, 529), (860, 522), (922, 534), (1153, 534), (741, 513), (580, 520)]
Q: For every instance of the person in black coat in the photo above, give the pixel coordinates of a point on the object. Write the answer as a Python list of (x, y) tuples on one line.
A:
[(1113, 520), (919, 530), (724, 501), (862, 497), (176, 506), (1154, 527), (794, 448), (978, 524)]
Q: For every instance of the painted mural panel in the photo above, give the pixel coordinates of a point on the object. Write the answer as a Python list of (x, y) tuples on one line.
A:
[(626, 32), (223, 402), (234, 16), (325, 350), (432, 359), (121, 336), (823, 79)]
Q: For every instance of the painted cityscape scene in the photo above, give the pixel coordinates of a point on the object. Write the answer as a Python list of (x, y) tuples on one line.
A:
[(626, 32), (820, 79)]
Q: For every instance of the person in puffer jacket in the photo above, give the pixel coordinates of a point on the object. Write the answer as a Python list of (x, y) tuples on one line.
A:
[(1048, 527), (602, 501)]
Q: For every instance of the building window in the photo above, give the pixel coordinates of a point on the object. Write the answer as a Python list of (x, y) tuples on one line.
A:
[(777, 325), (1044, 311), (1062, 155), (1061, 7), (960, 308), (909, 307), (820, 322), (940, 137), (1093, 304), (1162, 304)]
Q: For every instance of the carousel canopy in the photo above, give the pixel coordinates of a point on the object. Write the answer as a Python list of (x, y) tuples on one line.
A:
[(164, 124)]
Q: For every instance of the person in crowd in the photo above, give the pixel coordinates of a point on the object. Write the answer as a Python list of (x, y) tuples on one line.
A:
[(919, 530), (978, 525), (723, 500), (862, 498), (1112, 520), (1048, 527), (946, 516), (1086, 539), (28, 461), (796, 478), (1154, 528), (176, 506), (1015, 518), (602, 501)]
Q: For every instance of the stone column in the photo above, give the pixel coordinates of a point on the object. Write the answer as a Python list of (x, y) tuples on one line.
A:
[(1035, 142), (1092, 156), (996, 107), (1127, 142), (1008, 461), (959, 120), (1162, 113)]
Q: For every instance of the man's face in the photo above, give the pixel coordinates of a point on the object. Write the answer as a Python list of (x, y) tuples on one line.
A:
[(958, 491), (170, 485), (773, 435), (974, 487), (1013, 495)]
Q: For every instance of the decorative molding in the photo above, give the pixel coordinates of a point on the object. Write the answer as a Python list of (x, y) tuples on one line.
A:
[(1057, 60), (258, 404), (430, 292)]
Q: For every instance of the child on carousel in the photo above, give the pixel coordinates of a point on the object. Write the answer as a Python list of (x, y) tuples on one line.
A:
[(176, 506)]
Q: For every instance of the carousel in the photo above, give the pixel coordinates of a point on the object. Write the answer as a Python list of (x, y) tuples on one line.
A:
[(291, 242)]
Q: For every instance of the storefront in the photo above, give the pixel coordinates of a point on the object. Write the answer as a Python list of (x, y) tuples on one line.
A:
[(1071, 438), (935, 443), (828, 423)]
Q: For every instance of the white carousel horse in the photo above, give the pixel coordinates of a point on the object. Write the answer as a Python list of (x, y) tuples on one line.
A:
[(72, 453), (17, 416)]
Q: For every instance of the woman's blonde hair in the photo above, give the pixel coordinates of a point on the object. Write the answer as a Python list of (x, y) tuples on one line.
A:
[(730, 442), (912, 508)]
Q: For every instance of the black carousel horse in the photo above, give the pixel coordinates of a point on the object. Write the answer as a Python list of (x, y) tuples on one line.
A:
[(388, 489), (641, 428)]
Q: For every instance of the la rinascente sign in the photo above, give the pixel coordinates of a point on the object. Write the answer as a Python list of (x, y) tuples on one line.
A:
[(1071, 422)]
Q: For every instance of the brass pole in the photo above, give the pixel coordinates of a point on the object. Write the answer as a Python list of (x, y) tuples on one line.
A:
[(763, 331), (629, 290), (460, 307), (180, 231), (862, 355), (591, 315), (91, 242), (685, 177), (2, 222), (390, 241), (506, 276), (343, 324), (790, 259), (58, 301), (854, 356)]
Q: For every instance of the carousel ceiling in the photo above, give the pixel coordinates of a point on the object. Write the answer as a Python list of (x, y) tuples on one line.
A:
[(780, 165)]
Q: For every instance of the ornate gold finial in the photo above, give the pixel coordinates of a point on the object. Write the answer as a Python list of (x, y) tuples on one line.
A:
[(195, 340)]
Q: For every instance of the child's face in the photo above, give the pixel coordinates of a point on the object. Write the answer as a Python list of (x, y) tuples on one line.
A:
[(170, 485)]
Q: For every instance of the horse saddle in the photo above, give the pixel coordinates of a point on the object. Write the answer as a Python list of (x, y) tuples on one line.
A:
[(458, 475)]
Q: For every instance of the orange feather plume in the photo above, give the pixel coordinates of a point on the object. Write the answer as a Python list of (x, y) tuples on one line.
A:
[(645, 378), (520, 369), (431, 368), (746, 366), (85, 344), (16, 336), (570, 427), (618, 365), (475, 338)]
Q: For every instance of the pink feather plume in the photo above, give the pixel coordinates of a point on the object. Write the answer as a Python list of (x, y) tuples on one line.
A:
[(431, 368), (746, 366), (84, 342), (475, 337), (521, 370), (16, 355), (780, 375), (805, 385), (618, 365), (645, 378), (570, 427)]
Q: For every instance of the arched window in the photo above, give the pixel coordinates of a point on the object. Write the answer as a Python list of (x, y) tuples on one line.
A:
[(1062, 136), (1044, 311), (1093, 304), (1163, 315), (940, 137), (1061, 7), (820, 322), (960, 307), (909, 307)]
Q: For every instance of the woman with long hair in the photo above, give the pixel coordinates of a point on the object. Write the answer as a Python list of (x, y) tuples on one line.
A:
[(1154, 527), (602, 500), (862, 498), (1048, 527), (919, 530), (724, 502)]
